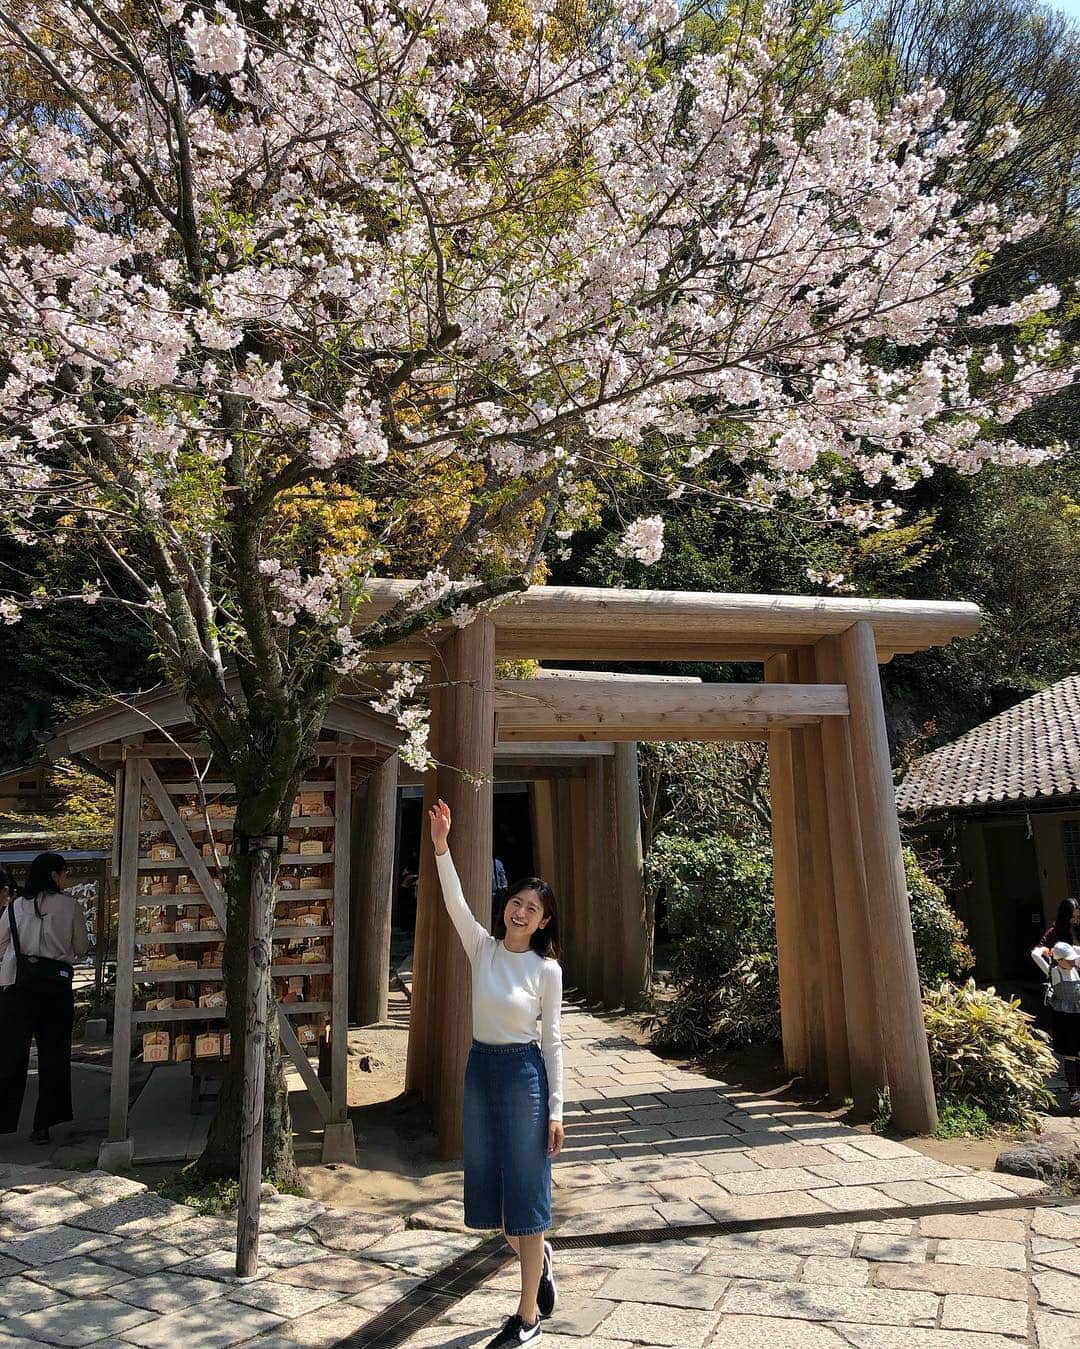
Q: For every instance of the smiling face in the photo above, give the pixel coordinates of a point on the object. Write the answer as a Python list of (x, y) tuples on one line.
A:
[(523, 915)]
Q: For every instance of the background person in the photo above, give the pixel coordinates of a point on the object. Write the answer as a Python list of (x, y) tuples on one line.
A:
[(513, 1087), (1061, 969), (42, 935)]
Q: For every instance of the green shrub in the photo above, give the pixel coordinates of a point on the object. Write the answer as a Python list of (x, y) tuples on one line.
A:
[(742, 1008), (985, 1052), (941, 949), (719, 903)]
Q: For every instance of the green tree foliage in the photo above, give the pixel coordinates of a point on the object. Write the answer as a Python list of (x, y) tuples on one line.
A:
[(719, 905), (941, 949)]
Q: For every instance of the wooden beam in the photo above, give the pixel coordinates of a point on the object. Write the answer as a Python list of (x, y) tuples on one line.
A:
[(592, 614), (549, 752), (546, 704), (211, 892), (857, 954), (298, 1054), (911, 1086), (468, 749), (373, 893), (629, 734), (630, 890), (785, 845)]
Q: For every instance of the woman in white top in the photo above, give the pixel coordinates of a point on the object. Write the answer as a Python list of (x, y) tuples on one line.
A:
[(513, 1084), (42, 935)]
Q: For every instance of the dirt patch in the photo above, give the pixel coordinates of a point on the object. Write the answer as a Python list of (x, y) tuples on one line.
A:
[(396, 1147)]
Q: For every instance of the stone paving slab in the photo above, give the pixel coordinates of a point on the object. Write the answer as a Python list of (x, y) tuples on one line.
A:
[(79, 1321), (203, 1327), (165, 1293)]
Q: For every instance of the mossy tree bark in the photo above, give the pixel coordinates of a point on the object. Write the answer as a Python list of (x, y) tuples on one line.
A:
[(264, 812)]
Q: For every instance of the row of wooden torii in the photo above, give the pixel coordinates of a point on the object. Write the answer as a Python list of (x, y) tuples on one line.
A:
[(851, 1009), (849, 990)]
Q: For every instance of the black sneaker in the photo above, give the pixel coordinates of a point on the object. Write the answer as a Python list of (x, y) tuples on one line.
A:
[(547, 1295), (515, 1332)]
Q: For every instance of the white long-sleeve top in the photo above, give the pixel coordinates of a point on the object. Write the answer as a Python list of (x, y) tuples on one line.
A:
[(511, 990)]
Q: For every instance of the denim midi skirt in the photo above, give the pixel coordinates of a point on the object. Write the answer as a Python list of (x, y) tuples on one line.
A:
[(507, 1168)]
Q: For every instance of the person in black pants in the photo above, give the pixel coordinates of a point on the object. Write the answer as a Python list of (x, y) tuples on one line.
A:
[(42, 935)]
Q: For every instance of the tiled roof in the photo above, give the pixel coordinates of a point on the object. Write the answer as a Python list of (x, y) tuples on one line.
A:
[(1028, 752)]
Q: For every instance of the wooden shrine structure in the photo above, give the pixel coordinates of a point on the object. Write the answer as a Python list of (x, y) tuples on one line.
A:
[(850, 1000), (173, 834)]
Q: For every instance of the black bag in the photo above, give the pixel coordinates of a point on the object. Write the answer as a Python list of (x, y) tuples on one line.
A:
[(37, 972)]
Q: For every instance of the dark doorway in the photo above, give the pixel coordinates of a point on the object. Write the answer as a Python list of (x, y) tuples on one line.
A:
[(1015, 896), (511, 832)]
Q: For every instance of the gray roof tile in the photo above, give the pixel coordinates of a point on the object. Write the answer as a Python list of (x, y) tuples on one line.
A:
[(1028, 752)]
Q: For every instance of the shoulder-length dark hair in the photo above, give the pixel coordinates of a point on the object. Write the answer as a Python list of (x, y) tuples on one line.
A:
[(545, 940), (39, 878), (1064, 923)]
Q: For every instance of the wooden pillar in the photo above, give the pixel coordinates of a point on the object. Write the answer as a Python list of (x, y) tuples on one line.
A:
[(373, 894), (785, 845), (339, 991), (857, 951), (577, 937), (541, 801), (911, 1086), (611, 907), (118, 1149), (468, 751), (822, 909), (593, 964), (636, 974), (561, 878)]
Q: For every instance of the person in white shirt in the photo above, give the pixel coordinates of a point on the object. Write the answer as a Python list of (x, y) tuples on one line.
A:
[(513, 1080), (1061, 964), (42, 935)]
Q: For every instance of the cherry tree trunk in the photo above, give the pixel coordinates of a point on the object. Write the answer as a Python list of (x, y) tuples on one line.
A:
[(250, 905)]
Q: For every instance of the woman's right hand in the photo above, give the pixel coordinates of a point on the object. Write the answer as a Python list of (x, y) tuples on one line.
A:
[(439, 817)]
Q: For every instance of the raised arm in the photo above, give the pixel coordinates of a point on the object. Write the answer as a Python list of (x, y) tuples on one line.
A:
[(473, 935), (1040, 959)]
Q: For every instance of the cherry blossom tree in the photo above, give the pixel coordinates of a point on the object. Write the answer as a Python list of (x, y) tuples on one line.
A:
[(306, 274)]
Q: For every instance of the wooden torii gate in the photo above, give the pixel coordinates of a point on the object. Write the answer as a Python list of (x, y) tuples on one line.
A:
[(849, 990)]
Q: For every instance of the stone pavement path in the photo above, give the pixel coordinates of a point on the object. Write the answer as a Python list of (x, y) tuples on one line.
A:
[(92, 1259)]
